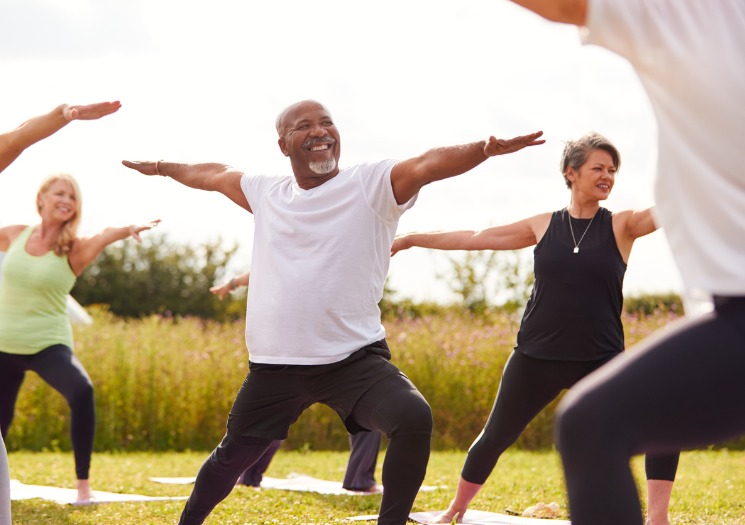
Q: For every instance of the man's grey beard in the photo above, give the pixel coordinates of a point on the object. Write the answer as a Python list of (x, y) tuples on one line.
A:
[(323, 168)]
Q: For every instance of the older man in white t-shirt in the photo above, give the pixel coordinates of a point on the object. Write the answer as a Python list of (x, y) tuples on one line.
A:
[(321, 253)]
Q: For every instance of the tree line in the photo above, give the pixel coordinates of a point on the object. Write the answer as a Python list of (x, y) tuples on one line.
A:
[(173, 279)]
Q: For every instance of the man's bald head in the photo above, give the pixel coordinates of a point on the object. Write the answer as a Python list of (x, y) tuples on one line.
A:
[(286, 118)]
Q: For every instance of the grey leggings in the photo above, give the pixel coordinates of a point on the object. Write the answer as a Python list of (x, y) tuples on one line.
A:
[(360, 473), (58, 366), (528, 385), (680, 389)]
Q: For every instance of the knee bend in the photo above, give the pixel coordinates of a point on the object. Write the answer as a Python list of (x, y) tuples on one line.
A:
[(414, 417), (578, 422), (234, 455), (83, 394), (494, 441)]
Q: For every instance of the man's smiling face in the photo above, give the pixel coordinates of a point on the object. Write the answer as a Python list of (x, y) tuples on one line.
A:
[(310, 139)]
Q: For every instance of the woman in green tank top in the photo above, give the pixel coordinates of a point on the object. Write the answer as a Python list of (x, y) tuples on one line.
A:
[(39, 270)]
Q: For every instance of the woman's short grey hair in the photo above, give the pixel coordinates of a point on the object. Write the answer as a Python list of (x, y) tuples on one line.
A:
[(576, 152)]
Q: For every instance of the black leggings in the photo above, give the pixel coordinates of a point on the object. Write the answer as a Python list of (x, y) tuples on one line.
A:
[(366, 390), (528, 385), (58, 366), (680, 389)]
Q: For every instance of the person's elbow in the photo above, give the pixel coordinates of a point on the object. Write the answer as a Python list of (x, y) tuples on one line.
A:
[(563, 11), (571, 12)]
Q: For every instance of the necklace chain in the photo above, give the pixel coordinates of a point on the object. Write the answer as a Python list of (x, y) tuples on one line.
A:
[(576, 244)]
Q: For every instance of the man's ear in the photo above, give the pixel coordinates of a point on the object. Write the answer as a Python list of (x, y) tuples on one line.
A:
[(283, 146)]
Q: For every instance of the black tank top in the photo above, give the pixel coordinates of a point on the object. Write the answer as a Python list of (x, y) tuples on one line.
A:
[(574, 310)]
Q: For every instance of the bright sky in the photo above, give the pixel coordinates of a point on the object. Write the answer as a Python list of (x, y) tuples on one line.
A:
[(204, 81)]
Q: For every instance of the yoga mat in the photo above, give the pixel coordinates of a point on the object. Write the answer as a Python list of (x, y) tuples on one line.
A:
[(174, 481), (304, 483), (20, 491), (297, 482), (480, 517)]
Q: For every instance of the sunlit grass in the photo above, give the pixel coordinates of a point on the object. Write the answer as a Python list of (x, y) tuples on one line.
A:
[(164, 385), (708, 491)]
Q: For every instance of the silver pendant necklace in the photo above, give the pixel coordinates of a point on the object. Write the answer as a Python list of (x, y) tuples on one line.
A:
[(576, 244)]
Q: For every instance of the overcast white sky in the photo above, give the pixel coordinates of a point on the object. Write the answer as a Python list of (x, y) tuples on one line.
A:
[(203, 81)]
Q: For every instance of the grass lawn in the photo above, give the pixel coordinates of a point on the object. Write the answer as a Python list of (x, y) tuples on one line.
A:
[(709, 489)]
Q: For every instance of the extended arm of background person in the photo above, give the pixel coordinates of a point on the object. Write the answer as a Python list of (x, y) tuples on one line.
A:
[(629, 225), (209, 176), (640, 223), (566, 11), (521, 234), (86, 249), (409, 176), (14, 142), (224, 289)]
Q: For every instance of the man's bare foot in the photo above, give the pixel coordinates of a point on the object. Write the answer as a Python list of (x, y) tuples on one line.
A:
[(85, 495)]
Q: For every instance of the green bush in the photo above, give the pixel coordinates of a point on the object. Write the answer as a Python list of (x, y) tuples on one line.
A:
[(651, 303), (159, 277)]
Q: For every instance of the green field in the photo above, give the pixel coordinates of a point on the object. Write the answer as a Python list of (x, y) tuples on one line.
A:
[(708, 491), (164, 387)]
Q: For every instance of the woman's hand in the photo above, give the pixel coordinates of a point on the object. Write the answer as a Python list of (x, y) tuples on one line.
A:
[(91, 111), (399, 243), (223, 290), (134, 231)]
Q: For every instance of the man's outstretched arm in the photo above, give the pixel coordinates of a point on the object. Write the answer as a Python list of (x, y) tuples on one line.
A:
[(566, 11), (409, 176), (207, 176)]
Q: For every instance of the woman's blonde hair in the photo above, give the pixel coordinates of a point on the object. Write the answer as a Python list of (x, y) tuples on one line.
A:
[(63, 244)]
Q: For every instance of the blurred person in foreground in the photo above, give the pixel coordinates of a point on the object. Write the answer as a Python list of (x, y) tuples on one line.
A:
[(681, 388)]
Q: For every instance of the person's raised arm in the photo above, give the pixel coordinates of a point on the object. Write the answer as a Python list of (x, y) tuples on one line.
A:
[(515, 236), (409, 176), (86, 249), (566, 11), (636, 223), (224, 289), (629, 225), (14, 142), (640, 223), (207, 176)]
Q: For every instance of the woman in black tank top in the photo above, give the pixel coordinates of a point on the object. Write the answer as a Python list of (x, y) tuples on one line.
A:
[(572, 321)]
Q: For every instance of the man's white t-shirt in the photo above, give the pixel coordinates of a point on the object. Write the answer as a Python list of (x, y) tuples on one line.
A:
[(320, 260), (690, 57)]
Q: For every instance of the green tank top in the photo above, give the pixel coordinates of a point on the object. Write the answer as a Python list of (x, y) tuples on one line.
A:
[(33, 299)]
